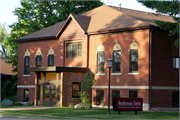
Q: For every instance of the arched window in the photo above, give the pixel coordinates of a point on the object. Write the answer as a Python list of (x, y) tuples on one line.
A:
[(26, 62), (51, 57), (38, 58), (134, 57), (100, 59), (116, 58)]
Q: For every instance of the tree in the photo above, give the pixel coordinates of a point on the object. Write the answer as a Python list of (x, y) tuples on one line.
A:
[(3, 35), (36, 15), (87, 86), (170, 8)]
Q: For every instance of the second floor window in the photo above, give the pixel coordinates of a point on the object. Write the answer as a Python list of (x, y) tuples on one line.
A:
[(117, 61), (176, 63), (73, 50), (134, 60), (50, 60), (100, 62), (38, 60), (27, 64)]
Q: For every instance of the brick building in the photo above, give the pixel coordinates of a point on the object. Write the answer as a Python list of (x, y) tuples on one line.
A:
[(52, 61)]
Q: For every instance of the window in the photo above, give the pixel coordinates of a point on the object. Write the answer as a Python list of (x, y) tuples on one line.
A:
[(133, 60), (176, 63), (76, 89), (175, 99), (133, 94), (100, 62), (27, 64), (115, 94), (100, 97), (50, 60), (26, 95), (38, 60), (73, 50), (117, 61)]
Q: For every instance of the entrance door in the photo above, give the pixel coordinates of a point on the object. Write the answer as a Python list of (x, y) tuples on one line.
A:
[(50, 95), (49, 89)]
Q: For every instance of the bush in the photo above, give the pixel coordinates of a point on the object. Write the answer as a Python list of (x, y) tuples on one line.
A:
[(86, 100), (19, 104), (12, 98)]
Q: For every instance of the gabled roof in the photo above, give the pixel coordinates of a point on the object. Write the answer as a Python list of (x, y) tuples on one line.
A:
[(103, 18), (145, 16), (81, 20), (49, 32)]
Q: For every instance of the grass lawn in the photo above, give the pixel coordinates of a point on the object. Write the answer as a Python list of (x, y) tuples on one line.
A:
[(13, 106), (96, 113)]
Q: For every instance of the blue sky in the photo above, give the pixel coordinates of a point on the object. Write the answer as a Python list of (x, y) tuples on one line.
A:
[(7, 6)]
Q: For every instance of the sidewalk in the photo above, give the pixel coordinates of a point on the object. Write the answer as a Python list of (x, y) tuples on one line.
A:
[(24, 108)]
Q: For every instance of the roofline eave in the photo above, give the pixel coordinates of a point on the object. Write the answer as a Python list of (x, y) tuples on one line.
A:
[(35, 39), (119, 30)]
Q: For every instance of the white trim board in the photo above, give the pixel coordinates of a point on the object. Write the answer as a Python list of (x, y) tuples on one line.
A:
[(165, 88), (123, 87), (25, 86), (139, 87)]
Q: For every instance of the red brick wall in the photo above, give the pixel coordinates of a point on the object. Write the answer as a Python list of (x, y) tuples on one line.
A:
[(162, 98), (124, 39), (44, 46), (163, 51), (68, 79), (163, 73)]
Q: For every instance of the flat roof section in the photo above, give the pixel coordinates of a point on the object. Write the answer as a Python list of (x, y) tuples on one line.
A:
[(58, 69)]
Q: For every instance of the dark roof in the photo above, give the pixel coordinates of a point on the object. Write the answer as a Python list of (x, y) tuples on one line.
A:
[(49, 32), (82, 20), (58, 69), (103, 18), (145, 16)]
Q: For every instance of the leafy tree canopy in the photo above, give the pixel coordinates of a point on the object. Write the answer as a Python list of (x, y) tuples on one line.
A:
[(3, 35), (170, 8), (36, 15)]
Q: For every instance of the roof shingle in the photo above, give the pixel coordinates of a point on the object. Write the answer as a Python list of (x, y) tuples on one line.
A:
[(102, 18)]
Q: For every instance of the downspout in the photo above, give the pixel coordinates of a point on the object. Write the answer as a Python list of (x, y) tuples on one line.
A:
[(150, 66), (88, 51)]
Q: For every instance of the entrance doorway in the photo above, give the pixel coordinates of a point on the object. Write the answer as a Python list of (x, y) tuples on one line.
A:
[(49, 89)]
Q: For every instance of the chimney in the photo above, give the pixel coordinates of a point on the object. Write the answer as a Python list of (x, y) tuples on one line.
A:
[(119, 6)]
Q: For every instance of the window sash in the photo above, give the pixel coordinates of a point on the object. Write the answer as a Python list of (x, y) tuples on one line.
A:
[(38, 60), (99, 97), (73, 50), (76, 89), (51, 60), (133, 94), (100, 62), (27, 64), (117, 61), (175, 62), (133, 60)]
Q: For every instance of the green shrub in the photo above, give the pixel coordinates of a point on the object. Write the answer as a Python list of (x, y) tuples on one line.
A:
[(86, 100), (19, 104)]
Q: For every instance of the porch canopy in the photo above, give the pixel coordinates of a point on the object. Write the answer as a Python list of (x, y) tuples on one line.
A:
[(58, 69)]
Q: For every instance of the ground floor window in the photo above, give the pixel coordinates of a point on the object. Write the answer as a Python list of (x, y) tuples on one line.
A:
[(26, 95), (76, 89), (115, 94), (175, 99), (99, 97), (133, 94)]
